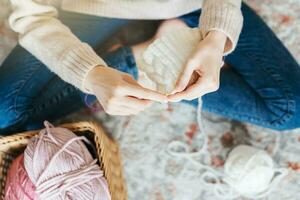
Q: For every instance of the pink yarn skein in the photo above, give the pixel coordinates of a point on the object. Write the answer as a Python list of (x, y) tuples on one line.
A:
[(18, 185), (61, 167)]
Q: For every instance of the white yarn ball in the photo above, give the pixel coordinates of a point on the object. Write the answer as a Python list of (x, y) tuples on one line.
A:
[(164, 59), (248, 170)]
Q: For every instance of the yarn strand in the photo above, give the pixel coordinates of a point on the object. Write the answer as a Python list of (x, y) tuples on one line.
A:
[(220, 187)]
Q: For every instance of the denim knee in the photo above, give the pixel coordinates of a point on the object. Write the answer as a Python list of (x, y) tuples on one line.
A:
[(11, 114), (286, 110), (291, 120)]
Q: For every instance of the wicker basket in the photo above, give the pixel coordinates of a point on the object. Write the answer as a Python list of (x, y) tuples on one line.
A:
[(107, 152)]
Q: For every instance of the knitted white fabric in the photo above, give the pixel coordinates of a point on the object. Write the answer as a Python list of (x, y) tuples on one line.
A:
[(164, 60)]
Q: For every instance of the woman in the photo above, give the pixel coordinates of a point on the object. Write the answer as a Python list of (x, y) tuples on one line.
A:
[(259, 83)]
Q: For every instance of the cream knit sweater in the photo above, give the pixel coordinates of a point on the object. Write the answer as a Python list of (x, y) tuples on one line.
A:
[(42, 34)]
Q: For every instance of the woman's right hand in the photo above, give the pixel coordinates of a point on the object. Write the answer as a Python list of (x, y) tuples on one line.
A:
[(119, 93)]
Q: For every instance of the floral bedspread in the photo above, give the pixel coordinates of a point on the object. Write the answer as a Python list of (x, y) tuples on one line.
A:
[(152, 173)]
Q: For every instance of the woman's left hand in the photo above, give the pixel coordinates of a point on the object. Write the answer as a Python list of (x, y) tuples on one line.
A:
[(202, 71)]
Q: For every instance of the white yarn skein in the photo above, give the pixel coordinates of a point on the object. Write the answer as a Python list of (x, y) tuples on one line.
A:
[(251, 171), (248, 171)]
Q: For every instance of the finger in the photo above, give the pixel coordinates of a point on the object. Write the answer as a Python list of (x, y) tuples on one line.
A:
[(194, 91), (138, 104), (184, 79), (135, 90)]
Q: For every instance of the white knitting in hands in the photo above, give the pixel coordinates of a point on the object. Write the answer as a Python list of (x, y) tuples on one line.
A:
[(164, 60)]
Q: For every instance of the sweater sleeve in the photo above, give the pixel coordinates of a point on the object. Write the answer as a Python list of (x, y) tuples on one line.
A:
[(43, 35), (224, 16)]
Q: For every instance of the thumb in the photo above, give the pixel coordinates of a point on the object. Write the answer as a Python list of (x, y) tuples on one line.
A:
[(136, 90), (184, 79)]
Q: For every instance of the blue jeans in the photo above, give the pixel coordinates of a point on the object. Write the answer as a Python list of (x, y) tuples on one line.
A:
[(262, 86)]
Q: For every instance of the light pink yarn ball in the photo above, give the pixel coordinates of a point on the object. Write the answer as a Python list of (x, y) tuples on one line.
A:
[(18, 185), (61, 167)]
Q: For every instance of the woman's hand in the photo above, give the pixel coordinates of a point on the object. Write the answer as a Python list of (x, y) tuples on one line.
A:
[(202, 72), (119, 93)]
